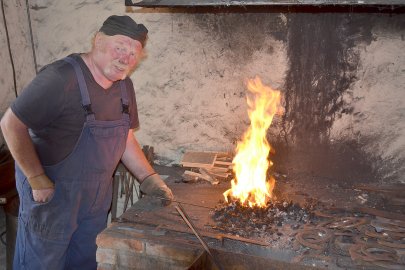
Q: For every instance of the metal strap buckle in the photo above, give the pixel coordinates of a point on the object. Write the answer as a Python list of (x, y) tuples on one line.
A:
[(88, 109), (125, 108)]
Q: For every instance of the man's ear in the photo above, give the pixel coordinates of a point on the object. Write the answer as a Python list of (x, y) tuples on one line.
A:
[(98, 40)]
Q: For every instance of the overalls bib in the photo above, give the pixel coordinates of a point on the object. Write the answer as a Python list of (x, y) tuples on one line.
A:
[(61, 233)]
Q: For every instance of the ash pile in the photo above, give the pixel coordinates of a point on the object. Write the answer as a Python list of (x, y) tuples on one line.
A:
[(274, 223)]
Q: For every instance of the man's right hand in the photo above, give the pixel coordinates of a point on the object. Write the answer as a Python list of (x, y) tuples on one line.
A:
[(42, 188), (43, 195)]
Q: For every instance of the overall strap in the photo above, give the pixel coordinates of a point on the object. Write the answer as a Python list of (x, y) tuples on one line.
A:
[(83, 87), (124, 99)]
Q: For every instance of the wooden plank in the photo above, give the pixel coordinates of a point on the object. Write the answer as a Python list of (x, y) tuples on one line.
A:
[(245, 3), (205, 173), (190, 173), (222, 176), (223, 159), (219, 170), (218, 175), (195, 176), (227, 163), (225, 155), (187, 177), (198, 159)]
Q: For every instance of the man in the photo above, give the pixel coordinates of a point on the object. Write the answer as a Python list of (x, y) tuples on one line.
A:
[(67, 132)]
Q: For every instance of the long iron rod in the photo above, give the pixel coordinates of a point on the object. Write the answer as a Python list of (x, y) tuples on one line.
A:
[(176, 201), (183, 214)]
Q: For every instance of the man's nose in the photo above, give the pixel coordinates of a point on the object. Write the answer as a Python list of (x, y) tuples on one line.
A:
[(124, 59)]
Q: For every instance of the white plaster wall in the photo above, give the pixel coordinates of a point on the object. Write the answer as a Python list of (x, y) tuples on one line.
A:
[(21, 53), (6, 79), (190, 94), (190, 97)]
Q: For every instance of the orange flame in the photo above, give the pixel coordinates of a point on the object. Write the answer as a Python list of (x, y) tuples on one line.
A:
[(251, 162)]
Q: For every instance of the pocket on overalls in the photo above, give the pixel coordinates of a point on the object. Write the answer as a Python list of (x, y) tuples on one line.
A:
[(106, 146), (48, 220)]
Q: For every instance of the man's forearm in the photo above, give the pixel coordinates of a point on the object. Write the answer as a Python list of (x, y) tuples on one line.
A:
[(135, 160), (20, 144)]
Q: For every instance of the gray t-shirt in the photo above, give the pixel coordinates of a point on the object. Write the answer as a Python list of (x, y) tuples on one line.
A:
[(51, 108)]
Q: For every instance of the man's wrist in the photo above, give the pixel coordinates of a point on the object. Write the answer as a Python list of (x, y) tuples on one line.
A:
[(147, 176), (40, 182)]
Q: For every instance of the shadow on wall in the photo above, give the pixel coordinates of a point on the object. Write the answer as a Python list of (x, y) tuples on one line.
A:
[(323, 66), (342, 163)]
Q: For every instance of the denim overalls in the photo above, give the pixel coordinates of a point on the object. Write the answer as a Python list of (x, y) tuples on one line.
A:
[(61, 233)]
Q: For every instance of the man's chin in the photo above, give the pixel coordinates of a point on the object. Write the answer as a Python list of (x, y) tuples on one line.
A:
[(118, 77), (122, 75)]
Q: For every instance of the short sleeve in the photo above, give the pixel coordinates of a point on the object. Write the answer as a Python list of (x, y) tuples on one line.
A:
[(42, 100)]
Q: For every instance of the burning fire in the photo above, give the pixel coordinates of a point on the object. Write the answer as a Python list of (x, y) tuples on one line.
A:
[(251, 162)]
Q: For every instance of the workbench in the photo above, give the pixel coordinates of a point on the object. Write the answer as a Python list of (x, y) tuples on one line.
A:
[(150, 236)]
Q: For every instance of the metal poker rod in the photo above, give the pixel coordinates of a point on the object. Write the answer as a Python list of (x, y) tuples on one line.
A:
[(183, 214), (176, 201)]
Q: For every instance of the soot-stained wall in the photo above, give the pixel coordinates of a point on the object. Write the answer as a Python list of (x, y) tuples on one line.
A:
[(342, 76), (325, 83), (325, 131), (324, 59)]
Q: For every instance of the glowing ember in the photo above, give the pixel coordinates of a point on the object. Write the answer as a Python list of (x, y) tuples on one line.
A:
[(251, 162)]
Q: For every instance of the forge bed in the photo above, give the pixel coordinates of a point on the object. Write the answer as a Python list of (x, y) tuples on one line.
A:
[(148, 236)]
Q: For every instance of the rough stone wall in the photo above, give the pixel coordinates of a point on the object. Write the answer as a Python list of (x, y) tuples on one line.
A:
[(342, 76)]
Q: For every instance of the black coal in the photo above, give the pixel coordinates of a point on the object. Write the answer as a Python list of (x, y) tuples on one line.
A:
[(233, 217)]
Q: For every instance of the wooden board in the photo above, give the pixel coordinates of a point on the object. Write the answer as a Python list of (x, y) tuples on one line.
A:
[(198, 159), (246, 3)]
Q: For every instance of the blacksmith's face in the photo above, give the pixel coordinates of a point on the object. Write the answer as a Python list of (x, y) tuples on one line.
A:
[(118, 55)]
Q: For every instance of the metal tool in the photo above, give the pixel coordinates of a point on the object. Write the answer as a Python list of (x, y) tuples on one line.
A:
[(183, 214), (176, 201)]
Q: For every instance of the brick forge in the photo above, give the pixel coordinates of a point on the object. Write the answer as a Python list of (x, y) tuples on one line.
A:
[(134, 246), (149, 236), (129, 246)]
